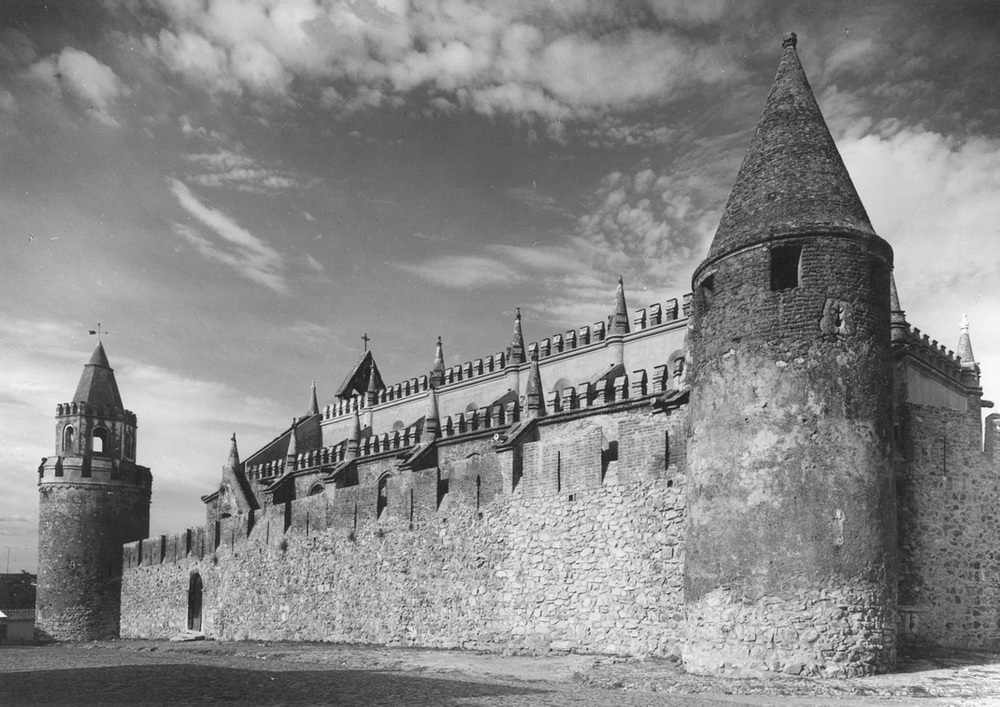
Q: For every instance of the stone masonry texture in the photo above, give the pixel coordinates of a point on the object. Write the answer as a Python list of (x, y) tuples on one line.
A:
[(773, 474)]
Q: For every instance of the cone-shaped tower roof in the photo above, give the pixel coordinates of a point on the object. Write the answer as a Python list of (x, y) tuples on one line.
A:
[(233, 461), (97, 384), (292, 446), (964, 349), (432, 419), (355, 433), (619, 318), (534, 398), (515, 352), (894, 296), (793, 179), (437, 370), (314, 401)]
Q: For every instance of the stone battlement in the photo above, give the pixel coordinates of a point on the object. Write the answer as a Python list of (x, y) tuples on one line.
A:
[(572, 341), (931, 352), (80, 408)]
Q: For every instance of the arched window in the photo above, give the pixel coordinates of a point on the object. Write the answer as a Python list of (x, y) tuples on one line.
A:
[(315, 490), (68, 439), (383, 496), (99, 442)]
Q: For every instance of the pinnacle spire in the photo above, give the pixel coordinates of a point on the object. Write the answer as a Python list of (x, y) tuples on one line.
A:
[(897, 317), (432, 419), (618, 323), (894, 296), (965, 344), (793, 179), (533, 396), (292, 449), (314, 401), (354, 436), (97, 384), (437, 371), (233, 461), (515, 352)]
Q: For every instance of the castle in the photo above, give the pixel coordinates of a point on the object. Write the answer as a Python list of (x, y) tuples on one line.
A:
[(775, 473)]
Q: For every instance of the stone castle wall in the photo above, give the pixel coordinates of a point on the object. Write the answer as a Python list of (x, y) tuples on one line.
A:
[(581, 555), (949, 496)]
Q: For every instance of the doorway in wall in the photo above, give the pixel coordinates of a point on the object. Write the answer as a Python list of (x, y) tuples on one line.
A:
[(194, 602)]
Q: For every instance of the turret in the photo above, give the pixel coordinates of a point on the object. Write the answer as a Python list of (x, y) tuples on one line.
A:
[(93, 498), (618, 321), (432, 419), (534, 398), (354, 436), (789, 559), (970, 368), (313, 401), (292, 452), (897, 317), (516, 350), (618, 325), (437, 371)]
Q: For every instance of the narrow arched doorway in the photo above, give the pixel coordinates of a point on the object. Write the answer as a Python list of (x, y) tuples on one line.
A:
[(194, 602)]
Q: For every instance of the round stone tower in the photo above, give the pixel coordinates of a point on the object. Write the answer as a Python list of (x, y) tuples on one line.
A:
[(790, 545), (92, 498)]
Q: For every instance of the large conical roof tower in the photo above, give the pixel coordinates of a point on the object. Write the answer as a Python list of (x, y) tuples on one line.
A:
[(793, 179), (789, 464)]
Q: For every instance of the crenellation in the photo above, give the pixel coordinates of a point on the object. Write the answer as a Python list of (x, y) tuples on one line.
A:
[(655, 314), (670, 310), (649, 510), (639, 383), (639, 321)]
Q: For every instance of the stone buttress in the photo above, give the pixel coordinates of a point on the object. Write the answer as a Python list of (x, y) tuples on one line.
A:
[(92, 498), (790, 538)]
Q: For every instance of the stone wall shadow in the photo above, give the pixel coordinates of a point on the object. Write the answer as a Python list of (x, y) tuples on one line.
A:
[(187, 683)]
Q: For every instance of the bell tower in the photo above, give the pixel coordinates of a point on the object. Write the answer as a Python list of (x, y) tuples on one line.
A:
[(92, 498)]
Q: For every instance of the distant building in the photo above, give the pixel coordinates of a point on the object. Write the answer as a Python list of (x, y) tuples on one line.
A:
[(777, 472)]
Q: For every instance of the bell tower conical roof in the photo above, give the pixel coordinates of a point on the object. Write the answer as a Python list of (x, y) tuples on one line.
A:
[(97, 384), (793, 179)]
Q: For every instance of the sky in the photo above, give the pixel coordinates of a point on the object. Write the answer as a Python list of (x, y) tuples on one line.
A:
[(240, 189)]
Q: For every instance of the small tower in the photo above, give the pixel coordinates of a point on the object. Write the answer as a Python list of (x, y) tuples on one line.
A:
[(533, 395), (436, 377), (92, 498), (516, 350), (789, 559), (313, 401)]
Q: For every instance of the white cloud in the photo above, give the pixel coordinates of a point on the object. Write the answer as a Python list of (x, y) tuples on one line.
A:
[(91, 85), (233, 244), (531, 58), (936, 199), (463, 271), (650, 227)]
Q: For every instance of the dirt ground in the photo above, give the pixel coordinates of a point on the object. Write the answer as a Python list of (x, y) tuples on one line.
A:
[(161, 672)]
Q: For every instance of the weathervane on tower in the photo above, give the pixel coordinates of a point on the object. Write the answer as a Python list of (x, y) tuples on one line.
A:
[(98, 331)]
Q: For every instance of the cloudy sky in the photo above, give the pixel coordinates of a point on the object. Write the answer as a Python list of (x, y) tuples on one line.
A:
[(239, 189)]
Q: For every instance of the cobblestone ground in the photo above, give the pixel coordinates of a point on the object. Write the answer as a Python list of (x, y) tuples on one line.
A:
[(160, 672)]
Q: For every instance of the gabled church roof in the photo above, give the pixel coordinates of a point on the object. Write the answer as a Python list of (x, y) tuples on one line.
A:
[(97, 384), (793, 179), (364, 376)]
